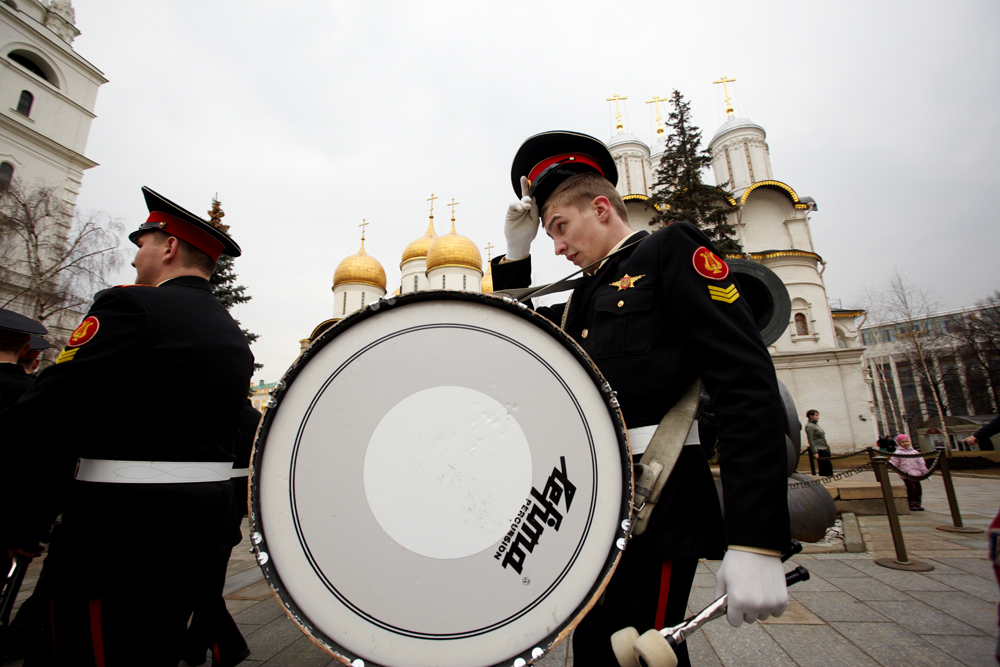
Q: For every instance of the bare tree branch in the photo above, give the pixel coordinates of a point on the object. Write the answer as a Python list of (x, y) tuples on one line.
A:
[(51, 260)]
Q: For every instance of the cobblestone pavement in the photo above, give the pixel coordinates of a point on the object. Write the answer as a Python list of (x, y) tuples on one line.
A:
[(851, 612)]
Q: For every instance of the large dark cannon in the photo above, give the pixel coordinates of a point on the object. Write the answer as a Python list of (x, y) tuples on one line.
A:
[(811, 509)]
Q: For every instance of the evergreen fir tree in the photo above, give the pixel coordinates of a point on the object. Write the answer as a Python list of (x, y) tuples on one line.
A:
[(678, 189), (223, 281)]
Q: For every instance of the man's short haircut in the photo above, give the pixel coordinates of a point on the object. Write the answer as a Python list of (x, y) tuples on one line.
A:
[(11, 344), (810, 413), (194, 258), (581, 189)]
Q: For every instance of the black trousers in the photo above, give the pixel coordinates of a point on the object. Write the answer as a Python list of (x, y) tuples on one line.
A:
[(645, 592), (825, 467), (914, 492)]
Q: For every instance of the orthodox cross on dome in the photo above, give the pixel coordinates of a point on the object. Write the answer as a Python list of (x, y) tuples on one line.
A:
[(618, 113), (362, 226), (431, 200), (489, 253), (453, 204), (725, 89), (656, 100)]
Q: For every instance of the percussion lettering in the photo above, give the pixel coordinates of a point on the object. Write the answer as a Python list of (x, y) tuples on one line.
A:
[(513, 529), (542, 512)]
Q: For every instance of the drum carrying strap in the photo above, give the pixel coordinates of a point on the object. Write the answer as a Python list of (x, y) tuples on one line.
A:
[(661, 455), (569, 282)]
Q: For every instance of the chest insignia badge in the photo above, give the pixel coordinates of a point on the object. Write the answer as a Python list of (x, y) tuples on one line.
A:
[(626, 281), (708, 265), (83, 333)]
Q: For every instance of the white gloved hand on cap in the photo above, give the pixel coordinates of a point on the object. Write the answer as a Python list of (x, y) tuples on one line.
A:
[(755, 584), (521, 224)]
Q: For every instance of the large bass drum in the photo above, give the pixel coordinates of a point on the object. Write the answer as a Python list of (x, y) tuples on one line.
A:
[(443, 479)]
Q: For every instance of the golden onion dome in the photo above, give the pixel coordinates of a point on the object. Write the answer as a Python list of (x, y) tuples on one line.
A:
[(419, 248), (453, 249), (360, 268)]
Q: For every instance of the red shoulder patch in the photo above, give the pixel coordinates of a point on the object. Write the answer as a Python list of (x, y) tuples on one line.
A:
[(134, 285), (83, 333), (708, 265)]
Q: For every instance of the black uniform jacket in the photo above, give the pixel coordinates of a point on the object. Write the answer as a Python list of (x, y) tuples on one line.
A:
[(13, 382), (163, 375), (669, 326)]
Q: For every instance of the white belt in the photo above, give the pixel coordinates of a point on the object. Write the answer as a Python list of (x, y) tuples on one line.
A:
[(639, 437), (152, 472), (240, 472)]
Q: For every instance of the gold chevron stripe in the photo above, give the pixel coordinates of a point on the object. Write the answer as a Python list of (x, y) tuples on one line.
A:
[(66, 355), (725, 295)]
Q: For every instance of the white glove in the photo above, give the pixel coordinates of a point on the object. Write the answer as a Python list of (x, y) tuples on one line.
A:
[(521, 224), (755, 584)]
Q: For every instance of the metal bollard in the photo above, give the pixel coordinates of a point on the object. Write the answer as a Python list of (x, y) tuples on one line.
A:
[(901, 562), (872, 453), (949, 489)]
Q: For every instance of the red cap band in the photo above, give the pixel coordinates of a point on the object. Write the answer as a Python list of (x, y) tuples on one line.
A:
[(565, 157), (185, 231)]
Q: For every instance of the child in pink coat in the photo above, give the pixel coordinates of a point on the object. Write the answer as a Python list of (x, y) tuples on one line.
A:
[(914, 466)]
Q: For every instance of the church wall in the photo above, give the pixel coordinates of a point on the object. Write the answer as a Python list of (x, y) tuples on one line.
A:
[(62, 112), (832, 382), (415, 269), (764, 218), (457, 278), (639, 216), (351, 297)]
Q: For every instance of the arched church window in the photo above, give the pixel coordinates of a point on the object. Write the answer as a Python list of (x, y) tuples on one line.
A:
[(6, 174), (34, 64), (801, 328), (414, 283), (464, 287), (444, 281), (24, 104)]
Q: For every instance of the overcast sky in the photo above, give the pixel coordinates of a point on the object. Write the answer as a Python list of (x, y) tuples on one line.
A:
[(308, 117)]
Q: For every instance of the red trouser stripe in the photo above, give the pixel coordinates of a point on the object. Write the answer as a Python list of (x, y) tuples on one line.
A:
[(96, 635), (661, 603)]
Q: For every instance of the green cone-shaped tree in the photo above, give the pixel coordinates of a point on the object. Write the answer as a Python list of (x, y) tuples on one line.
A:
[(679, 190), (223, 281)]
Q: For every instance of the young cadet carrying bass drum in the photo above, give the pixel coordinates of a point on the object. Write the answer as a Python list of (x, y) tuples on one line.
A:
[(656, 317)]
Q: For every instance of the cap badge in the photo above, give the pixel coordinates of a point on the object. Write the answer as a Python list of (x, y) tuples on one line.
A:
[(626, 281), (708, 265), (83, 333)]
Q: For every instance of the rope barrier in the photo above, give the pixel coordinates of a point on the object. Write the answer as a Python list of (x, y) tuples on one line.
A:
[(827, 480), (868, 466), (919, 478), (844, 456)]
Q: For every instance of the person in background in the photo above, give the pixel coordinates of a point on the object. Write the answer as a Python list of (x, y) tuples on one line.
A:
[(981, 438), (910, 466), (16, 332), (818, 448), (30, 360)]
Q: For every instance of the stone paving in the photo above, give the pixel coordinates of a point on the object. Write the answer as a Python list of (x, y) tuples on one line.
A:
[(851, 612)]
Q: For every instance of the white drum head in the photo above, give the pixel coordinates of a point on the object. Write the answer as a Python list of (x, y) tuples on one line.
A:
[(442, 481)]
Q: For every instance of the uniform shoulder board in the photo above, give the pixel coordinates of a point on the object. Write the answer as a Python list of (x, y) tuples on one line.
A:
[(135, 285)]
